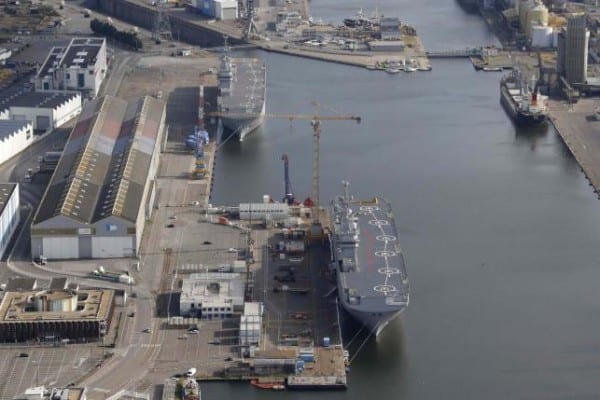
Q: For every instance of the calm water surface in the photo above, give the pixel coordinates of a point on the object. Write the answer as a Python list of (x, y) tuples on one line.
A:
[(499, 227)]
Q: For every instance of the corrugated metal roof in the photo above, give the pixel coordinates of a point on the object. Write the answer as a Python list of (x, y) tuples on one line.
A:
[(106, 161), (36, 99)]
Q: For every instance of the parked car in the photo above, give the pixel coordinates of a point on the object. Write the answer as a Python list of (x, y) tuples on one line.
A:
[(40, 260)]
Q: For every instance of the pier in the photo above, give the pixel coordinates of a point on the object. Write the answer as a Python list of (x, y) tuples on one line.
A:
[(460, 53), (579, 127)]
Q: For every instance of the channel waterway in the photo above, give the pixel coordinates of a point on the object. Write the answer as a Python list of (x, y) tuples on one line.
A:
[(500, 228)]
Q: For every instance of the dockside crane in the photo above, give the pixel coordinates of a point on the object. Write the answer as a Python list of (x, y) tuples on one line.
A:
[(315, 121), (288, 196)]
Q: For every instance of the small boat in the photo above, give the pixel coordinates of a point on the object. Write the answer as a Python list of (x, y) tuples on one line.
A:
[(428, 68), (391, 70), (267, 385), (492, 69), (408, 68)]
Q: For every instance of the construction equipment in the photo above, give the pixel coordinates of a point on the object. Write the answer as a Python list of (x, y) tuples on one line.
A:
[(315, 122), (288, 196), (162, 24)]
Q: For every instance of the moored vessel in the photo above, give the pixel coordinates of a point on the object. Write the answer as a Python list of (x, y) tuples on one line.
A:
[(191, 389), (523, 103), (242, 94), (372, 282)]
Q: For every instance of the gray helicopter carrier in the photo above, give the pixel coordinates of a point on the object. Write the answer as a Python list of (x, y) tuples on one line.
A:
[(242, 94), (371, 275)]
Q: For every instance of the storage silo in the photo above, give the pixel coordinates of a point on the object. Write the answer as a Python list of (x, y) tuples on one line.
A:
[(537, 15), (541, 36)]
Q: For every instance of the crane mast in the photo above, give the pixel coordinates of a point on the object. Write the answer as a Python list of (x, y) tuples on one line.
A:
[(288, 197), (315, 122)]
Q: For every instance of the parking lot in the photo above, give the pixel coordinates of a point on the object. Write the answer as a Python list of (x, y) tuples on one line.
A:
[(50, 366), (209, 350)]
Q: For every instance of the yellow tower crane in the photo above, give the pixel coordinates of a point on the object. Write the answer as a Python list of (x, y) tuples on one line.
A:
[(315, 121)]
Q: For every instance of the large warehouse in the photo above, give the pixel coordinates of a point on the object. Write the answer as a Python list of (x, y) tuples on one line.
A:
[(102, 191), (55, 314), (46, 110)]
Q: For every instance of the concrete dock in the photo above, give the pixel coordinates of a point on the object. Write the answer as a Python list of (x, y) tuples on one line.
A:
[(579, 128), (293, 320), (199, 30)]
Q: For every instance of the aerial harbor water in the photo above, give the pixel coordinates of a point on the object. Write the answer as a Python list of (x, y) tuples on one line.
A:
[(499, 227)]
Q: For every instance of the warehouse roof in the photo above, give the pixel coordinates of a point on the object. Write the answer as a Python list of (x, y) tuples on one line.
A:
[(9, 127), (25, 98), (105, 162), (80, 52), (212, 287), (6, 190), (91, 304)]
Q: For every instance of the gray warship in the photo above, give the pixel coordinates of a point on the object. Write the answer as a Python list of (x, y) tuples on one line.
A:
[(371, 274), (242, 94)]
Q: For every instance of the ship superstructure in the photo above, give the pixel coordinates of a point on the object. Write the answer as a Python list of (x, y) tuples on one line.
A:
[(523, 103), (242, 94), (191, 389), (365, 252)]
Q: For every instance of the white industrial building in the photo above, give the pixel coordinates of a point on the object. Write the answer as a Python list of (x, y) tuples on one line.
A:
[(218, 9), (81, 65), (251, 324), (15, 136), (211, 295), (226, 9), (102, 191), (9, 213), (542, 37), (45, 110)]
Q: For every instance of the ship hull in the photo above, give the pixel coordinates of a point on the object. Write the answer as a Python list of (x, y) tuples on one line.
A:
[(370, 271), (520, 118), (240, 127), (242, 95), (373, 323)]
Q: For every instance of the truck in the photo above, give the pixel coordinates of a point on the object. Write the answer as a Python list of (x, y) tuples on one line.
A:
[(101, 273), (286, 288), (289, 277)]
